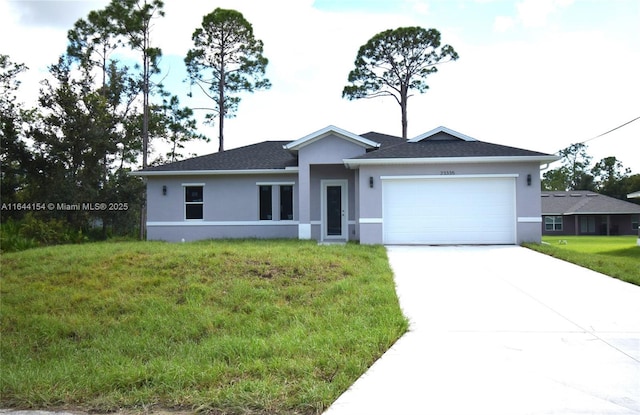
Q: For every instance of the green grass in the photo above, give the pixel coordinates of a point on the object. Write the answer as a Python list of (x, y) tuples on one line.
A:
[(244, 327), (616, 256)]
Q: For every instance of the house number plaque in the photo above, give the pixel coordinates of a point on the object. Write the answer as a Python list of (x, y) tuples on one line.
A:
[(447, 172)]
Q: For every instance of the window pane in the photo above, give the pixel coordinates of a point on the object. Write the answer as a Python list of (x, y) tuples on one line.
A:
[(557, 223), (286, 202), (265, 203), (587, 224), (193, 194), (548, 223), (194, 211), (553, 223)]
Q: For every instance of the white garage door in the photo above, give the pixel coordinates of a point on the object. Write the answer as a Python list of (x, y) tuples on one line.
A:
[(448, 210)]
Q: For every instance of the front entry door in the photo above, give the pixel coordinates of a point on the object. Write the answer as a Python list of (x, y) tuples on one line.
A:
[(334, 223)]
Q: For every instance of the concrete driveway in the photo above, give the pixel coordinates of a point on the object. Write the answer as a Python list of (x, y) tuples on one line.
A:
[(504, 330)]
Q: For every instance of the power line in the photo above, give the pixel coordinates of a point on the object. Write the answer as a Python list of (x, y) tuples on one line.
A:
[(598, 136), (620, 126)]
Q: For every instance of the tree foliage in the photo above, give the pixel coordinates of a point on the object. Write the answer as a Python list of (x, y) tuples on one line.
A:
[(178, 127), (395, 62), (574, 173), (15, 157), (225, 61), (88, 130), (608, 176), (611, 177), (134, 18)]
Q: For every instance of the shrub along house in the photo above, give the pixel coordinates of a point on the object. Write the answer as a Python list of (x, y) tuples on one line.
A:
[(582, 212), (442, 187)]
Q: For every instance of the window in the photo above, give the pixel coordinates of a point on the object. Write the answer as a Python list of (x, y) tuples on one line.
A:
[(635, 221), (193, 202), (588, 224), (275, 201), (265, 203), (553, 223), (286, 202)]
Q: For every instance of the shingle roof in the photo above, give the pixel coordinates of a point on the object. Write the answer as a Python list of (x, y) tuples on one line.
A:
[(584, 202), (265, 155), (385, 140), (271, 155), (447, 148), (260, 156)]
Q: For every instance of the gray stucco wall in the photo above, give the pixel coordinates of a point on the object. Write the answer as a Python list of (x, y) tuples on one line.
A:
[(528, 209), (230, 207), (322, 160)]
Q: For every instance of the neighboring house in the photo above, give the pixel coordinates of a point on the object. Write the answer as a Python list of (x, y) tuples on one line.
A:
[(582, 212), (634, 195), (442, 187)]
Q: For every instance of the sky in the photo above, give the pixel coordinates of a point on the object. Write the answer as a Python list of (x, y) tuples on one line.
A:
[(534, 74)]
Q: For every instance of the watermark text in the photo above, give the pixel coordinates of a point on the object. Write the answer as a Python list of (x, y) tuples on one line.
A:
[(65, 207)]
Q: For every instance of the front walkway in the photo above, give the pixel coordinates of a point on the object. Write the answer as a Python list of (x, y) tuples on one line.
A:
[(504, 330)]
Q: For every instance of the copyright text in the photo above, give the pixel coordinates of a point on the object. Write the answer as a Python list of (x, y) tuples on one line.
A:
[(50, 206)]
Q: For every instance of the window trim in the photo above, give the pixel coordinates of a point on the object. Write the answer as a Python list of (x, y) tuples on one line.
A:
[(185, 203), (556, 222), (276, 203), (280, 213)]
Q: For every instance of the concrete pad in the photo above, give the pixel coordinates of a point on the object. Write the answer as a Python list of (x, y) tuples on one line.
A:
[(504, 330)]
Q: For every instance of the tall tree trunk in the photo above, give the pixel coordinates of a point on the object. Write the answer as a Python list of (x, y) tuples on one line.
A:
[(145, 122), (403, 110), (223, 109), (221, 127), (105, 160), (145, 101)]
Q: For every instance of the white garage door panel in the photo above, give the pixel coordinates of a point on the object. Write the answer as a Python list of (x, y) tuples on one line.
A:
[(449, 211)]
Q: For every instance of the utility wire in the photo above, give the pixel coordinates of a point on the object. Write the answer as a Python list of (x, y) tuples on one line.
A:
[(620, 126), (598, 136)]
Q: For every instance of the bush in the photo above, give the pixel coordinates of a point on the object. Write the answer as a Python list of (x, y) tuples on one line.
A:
[(32, 232), (12, 241)]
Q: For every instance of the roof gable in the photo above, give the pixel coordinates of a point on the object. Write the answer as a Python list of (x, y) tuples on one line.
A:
[(331, 130), (441, 134)]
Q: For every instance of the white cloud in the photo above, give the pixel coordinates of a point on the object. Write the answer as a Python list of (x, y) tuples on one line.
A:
[(535, 13), (53, 13), (419, 6), (503, 23)]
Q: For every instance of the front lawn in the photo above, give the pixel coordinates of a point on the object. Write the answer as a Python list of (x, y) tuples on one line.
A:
[(616, 256), (240, 327)]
